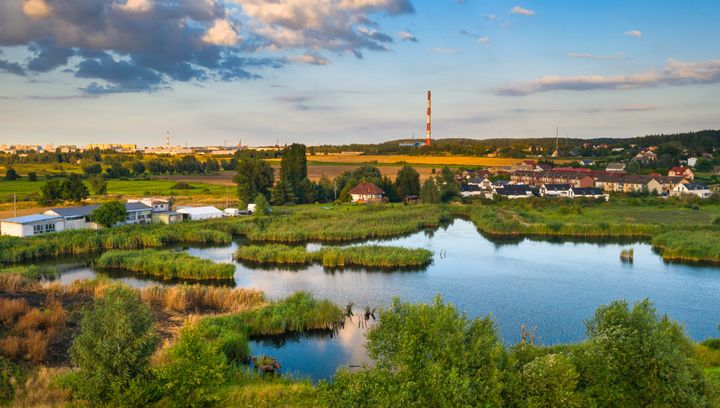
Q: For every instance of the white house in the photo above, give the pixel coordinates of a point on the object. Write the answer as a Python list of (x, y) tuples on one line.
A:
[(483, 183), (367, 193), (29, 225), (75, 217), (158, 204), (513, 191), (588, 192), (555, 190), (697, 189), (200, 213), (138, 213), (470, 190), (615, 168)]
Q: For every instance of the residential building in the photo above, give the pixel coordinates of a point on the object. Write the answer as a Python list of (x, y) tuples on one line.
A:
[(615, 168), (470, 190), (555, 190), (29, 225), (200, 213), (158, 204), (681, 171), (534, 178), (513, 191), (138, 213), (367, 193), (646, 156), (484, 183), (692, 161), (589, 192), (697, 189)]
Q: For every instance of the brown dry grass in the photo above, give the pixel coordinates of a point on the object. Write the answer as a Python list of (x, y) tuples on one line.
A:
[(12, 347), (41, 390), (11, 309)]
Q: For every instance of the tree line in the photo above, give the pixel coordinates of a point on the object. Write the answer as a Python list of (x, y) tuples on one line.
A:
[(256, 177)]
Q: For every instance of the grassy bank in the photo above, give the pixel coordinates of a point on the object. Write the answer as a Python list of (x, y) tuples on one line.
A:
[(689, 245), (78, 242), (366, 255), (165, 264), (343, 223)]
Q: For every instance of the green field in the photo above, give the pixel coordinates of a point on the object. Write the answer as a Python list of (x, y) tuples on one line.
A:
[(27, 190)]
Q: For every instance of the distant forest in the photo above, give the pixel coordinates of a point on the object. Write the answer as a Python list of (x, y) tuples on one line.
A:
[(694, 142)]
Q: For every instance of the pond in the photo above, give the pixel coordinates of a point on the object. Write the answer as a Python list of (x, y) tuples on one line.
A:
[(552, 287)]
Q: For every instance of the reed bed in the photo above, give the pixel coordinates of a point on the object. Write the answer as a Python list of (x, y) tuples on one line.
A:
[(165, 264), (343, 224), (297, 313), (366, 255), (690, 245), (78, 242)]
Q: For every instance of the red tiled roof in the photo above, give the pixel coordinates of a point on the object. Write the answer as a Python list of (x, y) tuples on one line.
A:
[(367, 189), (679, 169)]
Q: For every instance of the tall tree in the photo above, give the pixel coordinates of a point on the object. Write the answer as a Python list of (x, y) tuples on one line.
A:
[(293, 167), (109, 214), (99, 184), (407, 182), (74, 189), (11, 174), (254, 176), (430, 193), (282, 193)]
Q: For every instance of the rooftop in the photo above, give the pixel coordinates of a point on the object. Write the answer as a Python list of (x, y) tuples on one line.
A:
[(367, 188), (27, 219)]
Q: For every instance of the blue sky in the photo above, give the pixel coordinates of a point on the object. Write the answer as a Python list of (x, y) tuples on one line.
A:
[(344, 71)]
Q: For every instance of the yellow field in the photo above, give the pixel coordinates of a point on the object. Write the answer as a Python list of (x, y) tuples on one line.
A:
[(425, 160)]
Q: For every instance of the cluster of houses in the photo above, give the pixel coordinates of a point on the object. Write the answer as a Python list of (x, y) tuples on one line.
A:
[(530, 179), (140, 211)]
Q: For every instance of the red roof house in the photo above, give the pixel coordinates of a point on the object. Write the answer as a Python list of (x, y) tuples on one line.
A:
[(367, 193), (679, 171)]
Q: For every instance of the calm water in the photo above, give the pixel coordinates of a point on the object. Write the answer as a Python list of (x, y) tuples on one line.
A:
[(553, 287)]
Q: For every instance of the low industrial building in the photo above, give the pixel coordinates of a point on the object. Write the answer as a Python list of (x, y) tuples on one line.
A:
[(200, 213), (29, 225)]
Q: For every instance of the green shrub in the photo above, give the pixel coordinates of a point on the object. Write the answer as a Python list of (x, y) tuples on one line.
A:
[(196, 369), (113, 348)]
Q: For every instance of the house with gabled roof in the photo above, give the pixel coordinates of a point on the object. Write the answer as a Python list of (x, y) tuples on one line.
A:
[(681, 171), (367, 193), (697, 189)]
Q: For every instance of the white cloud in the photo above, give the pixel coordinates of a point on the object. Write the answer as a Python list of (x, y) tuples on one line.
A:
[(675, 73), (585, 55), (407, 36), (36, 8), (522, 11), (221, 33), (134, 6), (311, 59), (633, 33), (449, 51), (491, 17), (484, 40), (638, 107)]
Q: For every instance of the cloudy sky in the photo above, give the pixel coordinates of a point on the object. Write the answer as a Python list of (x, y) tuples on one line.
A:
[(343, 71)]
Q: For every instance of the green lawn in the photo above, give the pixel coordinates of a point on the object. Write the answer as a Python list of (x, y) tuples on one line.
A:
[(25, 189)]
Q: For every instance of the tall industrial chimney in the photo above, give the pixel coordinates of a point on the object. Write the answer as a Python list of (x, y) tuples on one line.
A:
[(428, 131)]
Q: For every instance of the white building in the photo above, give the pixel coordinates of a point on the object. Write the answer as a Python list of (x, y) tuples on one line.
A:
[(158, 204), (700, 190), (555, 190), (29, 225), (75, 217), (200, 213)]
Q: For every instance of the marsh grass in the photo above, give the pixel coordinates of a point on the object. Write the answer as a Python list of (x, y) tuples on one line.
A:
[(336, 257), (689, 244), (165, 264)]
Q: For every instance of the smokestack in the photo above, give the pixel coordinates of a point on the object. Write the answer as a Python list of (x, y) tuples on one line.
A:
[(428, 131)]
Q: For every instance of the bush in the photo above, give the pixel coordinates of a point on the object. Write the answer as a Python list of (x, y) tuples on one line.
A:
[(113, 348), (195, 370), (109, 214), (32, 176), (181, 185)]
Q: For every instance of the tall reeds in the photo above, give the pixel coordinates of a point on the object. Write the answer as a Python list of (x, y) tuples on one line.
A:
[(165, 264), (365, 255)]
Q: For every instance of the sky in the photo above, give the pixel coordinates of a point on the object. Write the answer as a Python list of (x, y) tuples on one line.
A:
[(214, 72)]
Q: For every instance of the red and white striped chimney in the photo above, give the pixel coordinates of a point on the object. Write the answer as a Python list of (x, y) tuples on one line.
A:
[(428, 131)]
